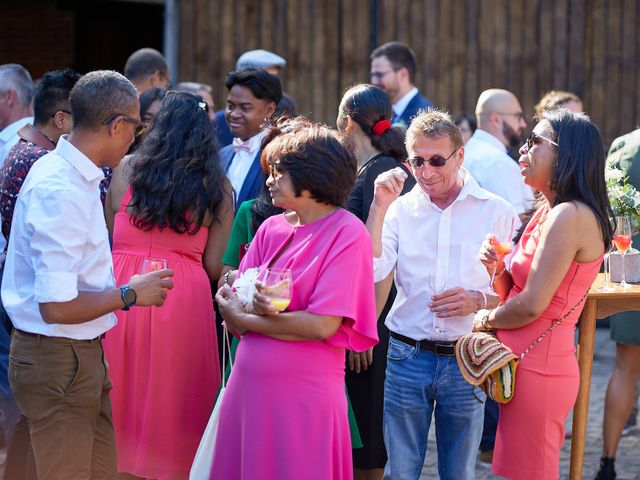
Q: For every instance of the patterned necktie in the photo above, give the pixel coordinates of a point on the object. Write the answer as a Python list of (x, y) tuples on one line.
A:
[(239, 145)]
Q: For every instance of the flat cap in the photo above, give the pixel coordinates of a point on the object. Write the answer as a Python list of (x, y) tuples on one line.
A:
[(259, 59)]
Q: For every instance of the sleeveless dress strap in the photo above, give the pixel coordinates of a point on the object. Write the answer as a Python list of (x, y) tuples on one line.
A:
[(126, 199)]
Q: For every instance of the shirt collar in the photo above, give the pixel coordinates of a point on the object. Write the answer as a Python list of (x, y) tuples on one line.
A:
[(12, 129), (401, 105), (484, 136), (78, 160), (255, 142), (470, 188)]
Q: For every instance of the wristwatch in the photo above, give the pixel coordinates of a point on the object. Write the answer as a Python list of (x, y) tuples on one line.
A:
[(128, 296)]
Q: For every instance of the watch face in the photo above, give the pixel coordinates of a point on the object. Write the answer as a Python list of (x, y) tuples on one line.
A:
[(130, 296)]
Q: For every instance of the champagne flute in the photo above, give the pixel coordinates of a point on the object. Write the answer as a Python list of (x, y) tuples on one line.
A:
[(501, 243), (153, 265), (278, 286), (622, 240)]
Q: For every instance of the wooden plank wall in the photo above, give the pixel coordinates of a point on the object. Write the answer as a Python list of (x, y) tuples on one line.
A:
[(590, 47)]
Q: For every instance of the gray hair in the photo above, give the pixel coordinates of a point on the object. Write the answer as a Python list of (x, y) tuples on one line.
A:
[(193, 87), (99, 96), (434, 123), (17, 78)]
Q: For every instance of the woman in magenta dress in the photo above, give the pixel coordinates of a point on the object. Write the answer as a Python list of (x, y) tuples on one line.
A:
[(284, 414), (554, 263), (171, 201)]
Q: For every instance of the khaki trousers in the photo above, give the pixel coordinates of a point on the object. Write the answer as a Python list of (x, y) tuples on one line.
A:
[(62, 388)]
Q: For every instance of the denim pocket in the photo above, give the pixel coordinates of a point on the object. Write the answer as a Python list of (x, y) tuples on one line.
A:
[(479, 394), (398, 350)]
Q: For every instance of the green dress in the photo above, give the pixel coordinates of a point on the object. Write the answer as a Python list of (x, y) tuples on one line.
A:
[(242, 233)]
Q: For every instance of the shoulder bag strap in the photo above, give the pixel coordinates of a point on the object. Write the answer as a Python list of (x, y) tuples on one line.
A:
[(555, 324)]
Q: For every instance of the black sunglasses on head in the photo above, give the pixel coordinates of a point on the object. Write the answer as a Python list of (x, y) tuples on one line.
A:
[(435, 161)]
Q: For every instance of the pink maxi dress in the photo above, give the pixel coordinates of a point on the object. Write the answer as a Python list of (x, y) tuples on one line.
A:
[(163, 360), (531, 426), (284, 414)]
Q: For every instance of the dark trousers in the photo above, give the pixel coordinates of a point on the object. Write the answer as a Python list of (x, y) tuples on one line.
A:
[(62, 388)]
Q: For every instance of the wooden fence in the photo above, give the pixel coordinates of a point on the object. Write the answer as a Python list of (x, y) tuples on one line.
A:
[(589, 47)]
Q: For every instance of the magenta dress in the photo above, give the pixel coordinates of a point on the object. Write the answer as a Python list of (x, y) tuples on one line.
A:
[(284, 414), (163, 360), (531, 426)]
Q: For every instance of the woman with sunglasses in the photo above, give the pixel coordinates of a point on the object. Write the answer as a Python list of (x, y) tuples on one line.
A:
[(557, 258), (364, 119), (170, 201)]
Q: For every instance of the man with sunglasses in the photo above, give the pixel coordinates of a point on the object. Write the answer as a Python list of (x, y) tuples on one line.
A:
[(500, 125), (431, 236), (59, 289)]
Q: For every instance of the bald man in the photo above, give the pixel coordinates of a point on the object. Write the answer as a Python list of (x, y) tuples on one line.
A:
[(500, 125)]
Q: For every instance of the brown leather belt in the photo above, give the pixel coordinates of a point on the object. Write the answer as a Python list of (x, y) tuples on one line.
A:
[(438, 347), (38, 335)]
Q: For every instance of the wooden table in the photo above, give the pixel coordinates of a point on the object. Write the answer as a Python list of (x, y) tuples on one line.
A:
[(598, 305)]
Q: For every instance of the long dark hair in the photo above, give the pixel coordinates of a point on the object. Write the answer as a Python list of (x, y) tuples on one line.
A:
[(578, 170), (366, 105), (177, 178)]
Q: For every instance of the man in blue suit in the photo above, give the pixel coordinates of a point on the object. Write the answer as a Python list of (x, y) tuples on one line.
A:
[(393, 69), (251, 102)]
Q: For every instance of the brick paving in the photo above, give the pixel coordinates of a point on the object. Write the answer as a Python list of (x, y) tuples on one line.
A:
[(628, 458)]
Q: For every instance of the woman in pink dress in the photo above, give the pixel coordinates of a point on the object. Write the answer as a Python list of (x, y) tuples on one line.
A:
[(170, 201), (284, 414), (554, 263)]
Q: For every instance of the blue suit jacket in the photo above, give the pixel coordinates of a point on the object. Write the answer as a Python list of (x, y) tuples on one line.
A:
[(224, 135), (253, 182), (417, 103)]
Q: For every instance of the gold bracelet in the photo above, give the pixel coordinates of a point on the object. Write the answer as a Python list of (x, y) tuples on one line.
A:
[(498, 275)]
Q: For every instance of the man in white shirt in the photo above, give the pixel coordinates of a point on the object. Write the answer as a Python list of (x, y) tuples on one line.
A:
[(393, 69), (58, 286), (432, 236), (251, 103), (500, 124), (16, 91)]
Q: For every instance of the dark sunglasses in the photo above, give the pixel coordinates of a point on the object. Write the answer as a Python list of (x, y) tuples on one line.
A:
[(274, 171), (534, 138), (435, 161), (140, 125)]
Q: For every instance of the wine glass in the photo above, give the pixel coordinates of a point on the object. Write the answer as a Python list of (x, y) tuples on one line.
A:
[(622, 240), (278, 286), (153, 265), (437, 283), (501, 243)]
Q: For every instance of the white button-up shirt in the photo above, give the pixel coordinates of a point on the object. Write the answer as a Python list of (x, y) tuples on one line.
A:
[(430, 247), (242, 161), (9, 136), (58, 244), (486, 158), (401, 105)]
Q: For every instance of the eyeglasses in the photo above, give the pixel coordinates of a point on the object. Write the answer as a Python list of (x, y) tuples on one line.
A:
[(518, 115), (435, 161), (534, 139), (274, 171), (140, 125), (380, 75), (63, 111)]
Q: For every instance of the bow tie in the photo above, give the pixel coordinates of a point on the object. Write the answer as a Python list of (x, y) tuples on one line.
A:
[(240, 145)]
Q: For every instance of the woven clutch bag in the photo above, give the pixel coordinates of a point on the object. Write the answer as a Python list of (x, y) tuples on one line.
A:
[(486, 362)]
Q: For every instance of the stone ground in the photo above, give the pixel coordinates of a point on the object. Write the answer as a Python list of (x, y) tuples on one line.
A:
[(628, 458)]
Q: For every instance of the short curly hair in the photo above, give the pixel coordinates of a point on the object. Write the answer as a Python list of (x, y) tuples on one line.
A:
[(315, 158)]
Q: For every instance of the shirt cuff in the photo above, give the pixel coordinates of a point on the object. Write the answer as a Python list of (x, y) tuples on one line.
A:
[(55, 287)]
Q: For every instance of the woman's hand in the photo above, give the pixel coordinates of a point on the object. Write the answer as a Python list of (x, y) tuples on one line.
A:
[(261, 302), (492, 254), (359, 361), (456, 302), (231, 310)]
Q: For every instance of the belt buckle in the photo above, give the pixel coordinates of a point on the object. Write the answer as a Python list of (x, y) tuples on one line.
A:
[(442, 349)]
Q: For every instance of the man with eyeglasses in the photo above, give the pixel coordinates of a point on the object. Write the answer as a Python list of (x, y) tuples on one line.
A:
[(432, 236), (500, 126), (393, 69), (59, 289)]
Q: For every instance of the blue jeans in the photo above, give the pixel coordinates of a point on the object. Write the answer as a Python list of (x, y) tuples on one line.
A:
[(417, 381)]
